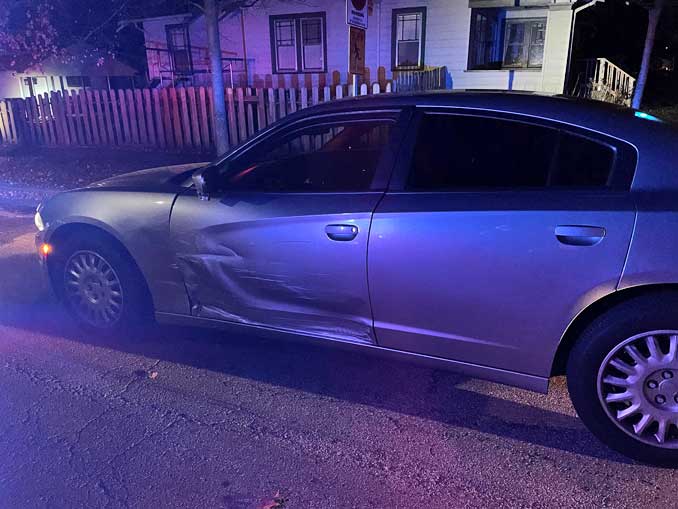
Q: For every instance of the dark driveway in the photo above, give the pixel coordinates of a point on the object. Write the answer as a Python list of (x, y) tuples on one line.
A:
[(184, 418)]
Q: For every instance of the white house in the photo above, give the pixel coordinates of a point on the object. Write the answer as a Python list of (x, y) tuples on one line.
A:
[(76, 67), (490, 44)]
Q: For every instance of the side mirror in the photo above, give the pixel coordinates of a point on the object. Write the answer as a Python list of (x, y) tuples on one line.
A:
[(205, 181)]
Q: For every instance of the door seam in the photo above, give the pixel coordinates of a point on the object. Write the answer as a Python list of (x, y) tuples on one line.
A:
[(628, 250), (367, 267)]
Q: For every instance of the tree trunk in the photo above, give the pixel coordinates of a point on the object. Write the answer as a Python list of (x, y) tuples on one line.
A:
[(214, 45), (653, 19)]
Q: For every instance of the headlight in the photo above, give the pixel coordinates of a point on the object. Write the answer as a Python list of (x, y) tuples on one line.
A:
[(38, 222)]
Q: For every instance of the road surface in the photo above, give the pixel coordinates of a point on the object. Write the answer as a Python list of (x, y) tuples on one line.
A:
[(186, 418)]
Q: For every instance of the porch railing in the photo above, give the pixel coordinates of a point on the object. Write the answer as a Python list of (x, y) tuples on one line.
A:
[(602, 80), (430, 78)]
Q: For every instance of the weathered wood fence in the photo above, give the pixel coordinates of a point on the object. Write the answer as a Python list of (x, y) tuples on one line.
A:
[(168, 118)]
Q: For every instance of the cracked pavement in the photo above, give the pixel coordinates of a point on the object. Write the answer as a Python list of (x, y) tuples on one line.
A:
[(189, 418)]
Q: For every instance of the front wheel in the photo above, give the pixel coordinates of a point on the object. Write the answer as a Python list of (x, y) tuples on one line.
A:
[(622, 376), (100, 286)]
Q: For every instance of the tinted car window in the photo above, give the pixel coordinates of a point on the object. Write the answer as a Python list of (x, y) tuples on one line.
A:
[(324, 158), (466, 152), (581, 162)]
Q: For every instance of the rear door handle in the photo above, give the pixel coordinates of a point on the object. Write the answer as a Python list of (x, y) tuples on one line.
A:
[(341, 232), (576, 235)]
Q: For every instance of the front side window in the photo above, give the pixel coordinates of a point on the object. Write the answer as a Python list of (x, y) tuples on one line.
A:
[(335, 157), (456, 152), (497, 41), (298, 43), (179, 48), (408, 31)]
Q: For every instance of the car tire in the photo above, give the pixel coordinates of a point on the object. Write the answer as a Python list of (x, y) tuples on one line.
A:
[(109, 295), (613, 403)]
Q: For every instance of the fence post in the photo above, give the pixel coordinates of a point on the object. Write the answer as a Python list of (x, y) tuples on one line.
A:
[(185, 120), (157, 110), (176, 121), (232, 125), (46, 118), (116, 118), (141, 117), (195, 117), (261, 109), (149, 117), (242, 122), (281, 102), (204, 130), (92, 116), (100, 117), (271, 106), (249, 110)]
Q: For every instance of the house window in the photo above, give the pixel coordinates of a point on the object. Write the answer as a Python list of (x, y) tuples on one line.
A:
[(179, 46), (497, 42), (78, 81), (408, 36), (298, 43), (524, 43)]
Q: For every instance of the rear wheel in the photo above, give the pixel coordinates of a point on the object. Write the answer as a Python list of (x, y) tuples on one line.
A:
[(100, 285), (623, 378)]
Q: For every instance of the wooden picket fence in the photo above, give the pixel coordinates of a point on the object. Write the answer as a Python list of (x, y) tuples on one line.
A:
[(168, 118)]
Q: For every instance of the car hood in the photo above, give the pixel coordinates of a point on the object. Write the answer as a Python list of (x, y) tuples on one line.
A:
[(152, 179)]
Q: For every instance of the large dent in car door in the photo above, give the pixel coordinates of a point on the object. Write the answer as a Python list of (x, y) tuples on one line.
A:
[(236, 273)]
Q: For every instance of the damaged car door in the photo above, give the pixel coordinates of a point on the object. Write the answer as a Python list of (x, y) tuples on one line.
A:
[(283, 243)]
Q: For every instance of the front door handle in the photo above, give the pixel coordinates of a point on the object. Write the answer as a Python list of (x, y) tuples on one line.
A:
[(341, 232), (576, 235)]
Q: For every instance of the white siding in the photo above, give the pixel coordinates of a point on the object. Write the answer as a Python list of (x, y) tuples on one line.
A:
[(447, 41), (556, 49), (10, 86)]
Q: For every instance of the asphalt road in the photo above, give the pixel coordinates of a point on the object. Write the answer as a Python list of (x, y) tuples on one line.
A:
[(186, 418)]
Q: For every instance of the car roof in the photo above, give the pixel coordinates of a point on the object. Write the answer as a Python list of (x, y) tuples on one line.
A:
[(510, 101)]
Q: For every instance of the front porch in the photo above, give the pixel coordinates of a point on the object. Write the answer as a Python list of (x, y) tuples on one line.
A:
[(602, 80)]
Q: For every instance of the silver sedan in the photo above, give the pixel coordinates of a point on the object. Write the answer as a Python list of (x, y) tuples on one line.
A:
[(509, 237)]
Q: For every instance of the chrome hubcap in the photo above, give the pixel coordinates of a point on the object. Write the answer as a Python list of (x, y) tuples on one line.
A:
[(638, 387), (93, 289)]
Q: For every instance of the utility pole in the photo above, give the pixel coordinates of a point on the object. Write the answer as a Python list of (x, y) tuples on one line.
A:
[(214, 46), (652, 21)]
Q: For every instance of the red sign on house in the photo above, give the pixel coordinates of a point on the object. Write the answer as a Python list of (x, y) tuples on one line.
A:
[(356, 13)]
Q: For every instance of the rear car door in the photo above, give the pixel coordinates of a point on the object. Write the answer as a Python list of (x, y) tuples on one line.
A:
[(284, 244), (495, 232)]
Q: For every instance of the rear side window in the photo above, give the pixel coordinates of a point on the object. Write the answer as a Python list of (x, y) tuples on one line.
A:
[(456, 152)]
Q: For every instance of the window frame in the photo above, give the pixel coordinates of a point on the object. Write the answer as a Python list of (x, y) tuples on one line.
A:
[(82, 81), (394, 38), (621, 175), (527, 36), (170, 47), (299, 43), (499, 16), (400, 117), (473, 49)]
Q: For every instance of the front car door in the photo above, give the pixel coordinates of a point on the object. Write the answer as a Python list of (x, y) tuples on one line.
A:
[(495, 233), (284, 244)]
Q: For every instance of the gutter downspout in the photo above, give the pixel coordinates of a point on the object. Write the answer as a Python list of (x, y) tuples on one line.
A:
[(577, 10)]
